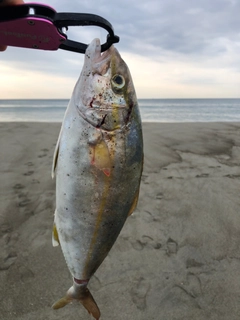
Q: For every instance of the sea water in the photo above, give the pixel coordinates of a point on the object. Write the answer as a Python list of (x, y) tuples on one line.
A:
[(152, 110)]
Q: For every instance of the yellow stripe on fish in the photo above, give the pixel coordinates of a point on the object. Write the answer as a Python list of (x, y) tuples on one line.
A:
[(99, 219)]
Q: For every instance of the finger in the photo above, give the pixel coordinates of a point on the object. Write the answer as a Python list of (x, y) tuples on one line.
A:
[(10, 2), (3, 48)]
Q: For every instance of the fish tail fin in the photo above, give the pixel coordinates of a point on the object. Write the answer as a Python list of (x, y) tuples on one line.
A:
[(82, 294), (62, 302), (90, 304)]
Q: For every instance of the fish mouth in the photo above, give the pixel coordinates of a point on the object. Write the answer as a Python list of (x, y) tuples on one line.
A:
[(106, 106), (98, 62), (93, 51)]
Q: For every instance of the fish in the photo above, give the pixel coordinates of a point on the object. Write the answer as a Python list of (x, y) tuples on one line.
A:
[(98, 163)]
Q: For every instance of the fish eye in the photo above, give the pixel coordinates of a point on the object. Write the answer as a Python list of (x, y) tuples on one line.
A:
[(118, 81)]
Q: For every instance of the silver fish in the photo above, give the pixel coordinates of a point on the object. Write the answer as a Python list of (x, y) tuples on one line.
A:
[(98, 165)]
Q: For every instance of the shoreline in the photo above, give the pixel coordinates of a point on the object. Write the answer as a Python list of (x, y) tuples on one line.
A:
[(146, 122), (177, 256)]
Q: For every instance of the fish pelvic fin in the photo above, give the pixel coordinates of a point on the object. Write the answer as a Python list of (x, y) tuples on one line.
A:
[(82, 294)]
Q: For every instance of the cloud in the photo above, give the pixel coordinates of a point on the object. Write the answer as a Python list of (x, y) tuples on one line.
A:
[(199, 37)]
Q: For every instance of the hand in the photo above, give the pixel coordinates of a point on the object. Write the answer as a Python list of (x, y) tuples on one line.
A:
[(8, 3)]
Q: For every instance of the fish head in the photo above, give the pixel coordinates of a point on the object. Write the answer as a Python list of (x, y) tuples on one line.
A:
[(105, 94)]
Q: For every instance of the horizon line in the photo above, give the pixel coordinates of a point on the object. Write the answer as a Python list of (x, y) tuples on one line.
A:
[(1, 99)]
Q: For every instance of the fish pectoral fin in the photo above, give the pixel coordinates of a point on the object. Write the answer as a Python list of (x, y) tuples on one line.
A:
[(55, 239), (134, 204), (100, 157)]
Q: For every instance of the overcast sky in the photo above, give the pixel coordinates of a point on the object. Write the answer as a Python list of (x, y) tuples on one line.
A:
[(174, 49)]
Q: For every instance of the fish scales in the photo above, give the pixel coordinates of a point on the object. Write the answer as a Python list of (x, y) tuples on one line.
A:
[(98, 165)]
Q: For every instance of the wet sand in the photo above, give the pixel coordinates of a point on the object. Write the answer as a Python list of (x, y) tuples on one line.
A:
[(178, 256)]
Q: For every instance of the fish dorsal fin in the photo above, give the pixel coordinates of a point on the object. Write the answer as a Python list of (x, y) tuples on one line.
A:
[(55, 156)]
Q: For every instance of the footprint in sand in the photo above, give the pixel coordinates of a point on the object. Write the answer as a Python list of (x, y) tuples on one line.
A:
[(24, 203), (148, 216), (203, 175), (172, 246), (139, 293), (7, 254), (150, 242), (35, 181), (232, 176), (18, 186), (146, 242), (25, 273), (30, 164), (29, 173), (6, 260), (192, 287), (23, 200), (44, 154), (159, 196), (5, 228), (144, 178), (193, 263)]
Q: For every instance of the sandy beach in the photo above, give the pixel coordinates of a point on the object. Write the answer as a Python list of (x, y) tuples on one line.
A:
[(178, 256)]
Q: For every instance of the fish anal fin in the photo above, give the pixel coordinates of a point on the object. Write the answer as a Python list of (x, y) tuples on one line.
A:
[(55, 239), (134, 204)]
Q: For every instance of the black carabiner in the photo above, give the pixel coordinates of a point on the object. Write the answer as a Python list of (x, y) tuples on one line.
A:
[(65, 20)]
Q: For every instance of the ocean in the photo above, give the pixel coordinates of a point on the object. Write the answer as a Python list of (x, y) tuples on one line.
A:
[(152, 110)]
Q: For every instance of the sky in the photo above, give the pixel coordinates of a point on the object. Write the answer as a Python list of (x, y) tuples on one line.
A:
[(173, 48)]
